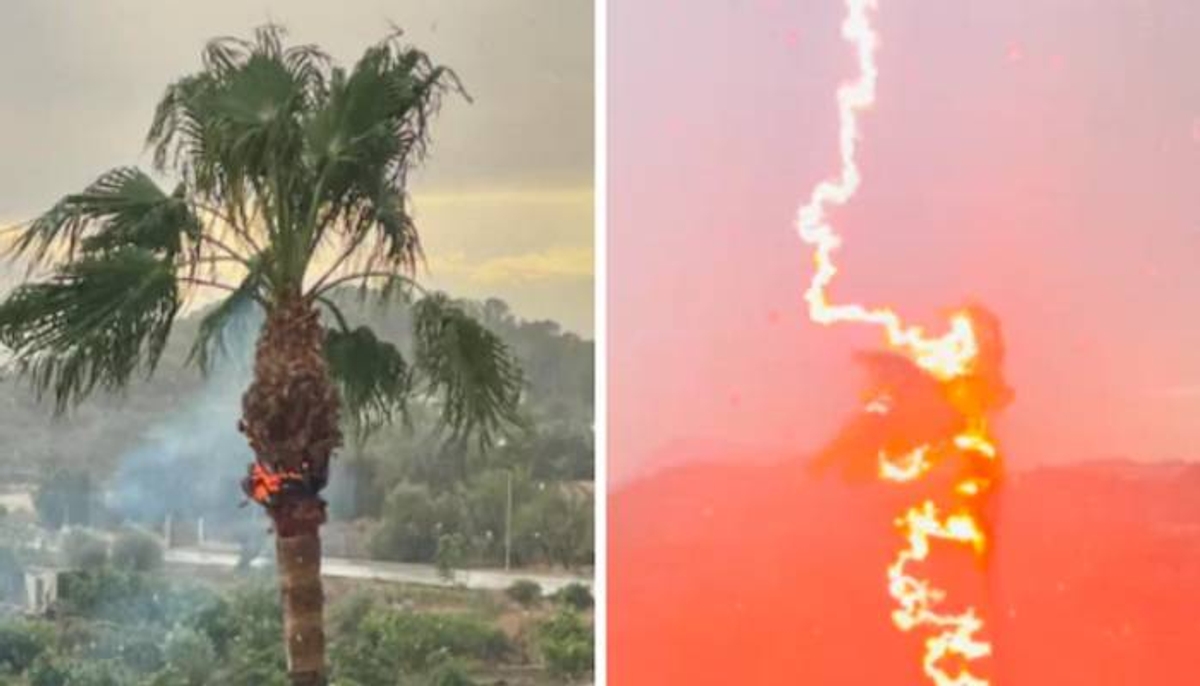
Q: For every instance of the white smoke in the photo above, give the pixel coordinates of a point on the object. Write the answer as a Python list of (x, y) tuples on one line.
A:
[(191, 463)]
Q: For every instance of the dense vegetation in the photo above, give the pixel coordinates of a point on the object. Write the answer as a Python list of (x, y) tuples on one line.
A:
[(126, 628), (399, 491)]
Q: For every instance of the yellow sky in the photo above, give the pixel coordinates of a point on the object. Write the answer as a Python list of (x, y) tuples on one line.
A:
[(534, 248)]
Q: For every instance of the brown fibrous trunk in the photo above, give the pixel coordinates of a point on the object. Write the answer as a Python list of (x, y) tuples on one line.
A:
[(299, 562), (290, 418)]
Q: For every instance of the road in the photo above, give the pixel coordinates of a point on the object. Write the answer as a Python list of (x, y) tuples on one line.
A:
[(393, 572)]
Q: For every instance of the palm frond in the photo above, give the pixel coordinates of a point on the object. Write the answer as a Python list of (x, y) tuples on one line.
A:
[(95, 323), (397, 244), (370, 130), (210, 341), (123, 208), (374, 378), (468, 370), (236, 125), (322, 153), (336, 311)]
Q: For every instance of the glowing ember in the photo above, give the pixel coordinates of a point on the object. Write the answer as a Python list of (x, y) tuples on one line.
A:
[(954, 360)]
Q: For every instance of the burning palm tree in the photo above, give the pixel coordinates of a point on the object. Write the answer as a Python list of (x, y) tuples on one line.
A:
[(290, 179)]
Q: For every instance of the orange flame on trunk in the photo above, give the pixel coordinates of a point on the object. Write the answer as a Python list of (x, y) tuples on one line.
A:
[(950, 358), (264, 483)]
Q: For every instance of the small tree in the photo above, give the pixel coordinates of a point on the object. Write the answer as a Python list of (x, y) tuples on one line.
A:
[(49, 670), (451, 554), (190, 657), (567, 644), (136, 551), (21, 643), (413, 522), (449, 673), (576, 596), (84, 550), (556, 526), (524, 592)]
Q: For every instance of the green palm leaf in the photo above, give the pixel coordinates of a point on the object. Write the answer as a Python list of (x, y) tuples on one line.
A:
[(95, 323), (124, 207), (210, 342), (238, 120), (374, 378), (370, 130), (467, 368)]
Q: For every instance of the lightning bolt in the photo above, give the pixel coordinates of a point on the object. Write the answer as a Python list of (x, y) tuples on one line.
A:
[(945, 357), (949, 358)]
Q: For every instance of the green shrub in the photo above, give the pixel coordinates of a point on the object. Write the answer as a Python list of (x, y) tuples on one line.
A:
[(134, 647), (21, 643), (566, 644), (136, 551), (93, 591), (49, 670), (95, 673), (389, 642), (524, 592), (130, 598), (451, 554), (127, 629), (141, 653), (190, 657), (554, 526), (413, 521), (179, 602), (215, 619), (253, 654), (485, 498), (449, 673), (83, 549), (348, 613), (561, 454), (576, 596), (55, 671)]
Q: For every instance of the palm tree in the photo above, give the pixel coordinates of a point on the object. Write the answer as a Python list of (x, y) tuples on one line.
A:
[(290, 182)]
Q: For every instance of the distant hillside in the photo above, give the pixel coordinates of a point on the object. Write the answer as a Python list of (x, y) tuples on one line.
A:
[(749, 573), (95, 435)]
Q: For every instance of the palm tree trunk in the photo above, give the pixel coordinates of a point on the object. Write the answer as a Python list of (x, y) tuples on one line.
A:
[(290, 418), (299, 564)]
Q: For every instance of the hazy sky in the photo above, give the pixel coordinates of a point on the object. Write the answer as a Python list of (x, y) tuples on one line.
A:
[(504, 203), (1039, 156)]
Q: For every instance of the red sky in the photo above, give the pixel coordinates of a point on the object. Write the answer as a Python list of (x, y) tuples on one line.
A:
[(1039, 156)]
